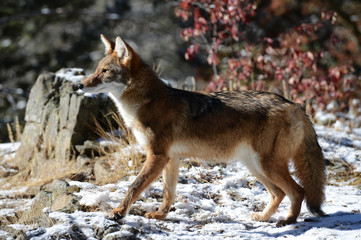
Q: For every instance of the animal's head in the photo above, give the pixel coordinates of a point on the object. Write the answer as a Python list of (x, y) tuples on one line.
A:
[(114, 72)]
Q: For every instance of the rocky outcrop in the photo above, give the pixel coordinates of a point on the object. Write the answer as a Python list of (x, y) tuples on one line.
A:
[(55, 196), (58, 118)]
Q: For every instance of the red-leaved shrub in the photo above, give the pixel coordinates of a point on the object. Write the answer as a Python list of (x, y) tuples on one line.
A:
[(298, 59)]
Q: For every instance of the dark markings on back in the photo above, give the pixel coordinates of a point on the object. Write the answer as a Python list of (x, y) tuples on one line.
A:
[(250, 103)]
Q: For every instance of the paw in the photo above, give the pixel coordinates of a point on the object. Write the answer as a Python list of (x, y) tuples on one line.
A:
[(156, 215), (258, 217), (282, 223), (116, 214)]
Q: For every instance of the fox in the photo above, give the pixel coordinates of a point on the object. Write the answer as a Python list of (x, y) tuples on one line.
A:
[(263, 130)]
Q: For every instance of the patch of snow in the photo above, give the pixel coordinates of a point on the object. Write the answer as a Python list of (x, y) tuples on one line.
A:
[(214, 203), (75, 75), (325, 118), (11, 192), (332, 106), (341, 145), (94, 199), (7, 150), (338, 126), (7, 212)]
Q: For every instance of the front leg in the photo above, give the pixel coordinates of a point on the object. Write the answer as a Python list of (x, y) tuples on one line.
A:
[(152, 168), (170, 179)]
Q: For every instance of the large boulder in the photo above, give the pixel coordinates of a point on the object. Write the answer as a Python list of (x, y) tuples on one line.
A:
[(58, 118)]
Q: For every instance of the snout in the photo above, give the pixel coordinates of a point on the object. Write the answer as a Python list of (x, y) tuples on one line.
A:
[(78, 87)]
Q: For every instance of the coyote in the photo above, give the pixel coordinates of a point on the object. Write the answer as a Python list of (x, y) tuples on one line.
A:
[(263, 130)]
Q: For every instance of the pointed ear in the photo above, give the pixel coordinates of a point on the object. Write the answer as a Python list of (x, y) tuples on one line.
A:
[(109, 45), (122, 49)]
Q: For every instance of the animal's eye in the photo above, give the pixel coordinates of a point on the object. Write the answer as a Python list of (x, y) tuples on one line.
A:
[(105, 70)]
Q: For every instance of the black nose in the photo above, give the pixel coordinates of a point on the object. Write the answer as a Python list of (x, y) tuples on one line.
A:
[(79, 86)]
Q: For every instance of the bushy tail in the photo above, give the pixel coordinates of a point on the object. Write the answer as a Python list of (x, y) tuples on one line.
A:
[(310, 169)]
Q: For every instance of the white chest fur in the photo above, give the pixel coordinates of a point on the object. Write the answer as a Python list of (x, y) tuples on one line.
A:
[(129, 116)]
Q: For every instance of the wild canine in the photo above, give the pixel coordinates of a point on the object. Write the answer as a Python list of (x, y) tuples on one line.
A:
[(263, 130)]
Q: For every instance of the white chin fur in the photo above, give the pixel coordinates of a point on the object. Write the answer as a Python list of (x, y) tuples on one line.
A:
[(96, 89), (116, 89)]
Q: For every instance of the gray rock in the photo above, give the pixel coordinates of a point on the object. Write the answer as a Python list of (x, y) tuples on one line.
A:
[(22, 236), (73, 233), (57, 186), (55, 196), (90, 148), (58, 119), (35, 233), (101, 231), (83, 161), (64, 202), (101, 169)]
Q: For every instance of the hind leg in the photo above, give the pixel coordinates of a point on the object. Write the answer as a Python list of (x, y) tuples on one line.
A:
[(279, 175), (276, 195), (170, 179)]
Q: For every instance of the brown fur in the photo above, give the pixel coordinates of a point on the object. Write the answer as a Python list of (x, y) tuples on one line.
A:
[(263, 128)]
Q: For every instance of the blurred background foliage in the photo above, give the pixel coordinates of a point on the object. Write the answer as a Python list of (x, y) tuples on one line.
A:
[(307, 51), (39, 36)]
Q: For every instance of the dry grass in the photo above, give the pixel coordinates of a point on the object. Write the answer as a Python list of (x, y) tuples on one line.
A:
[(157, 68), (15, 135), (342, 173), (6, 160), (6, 220), (49, 170), (14, 131), (33, 216), (121, 158), (349, 177)]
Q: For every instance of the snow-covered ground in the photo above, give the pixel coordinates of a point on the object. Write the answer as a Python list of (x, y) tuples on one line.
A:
[(214, 203)]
